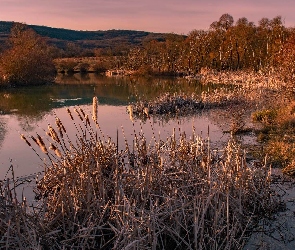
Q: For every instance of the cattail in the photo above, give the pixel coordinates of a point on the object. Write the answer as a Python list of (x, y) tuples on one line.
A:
[(57, 152), (78, 113), (146, 111), (130, 111), (44, 149), (52, 147), (34, 139), (60, 125), (40, 141), (70, 114), (24, 138), (87, 120), (53, 134), (41, 144), (82, 112), (94, 106)]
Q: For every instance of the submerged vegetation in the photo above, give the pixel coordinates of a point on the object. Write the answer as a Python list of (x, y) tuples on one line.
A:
[(170, 194)]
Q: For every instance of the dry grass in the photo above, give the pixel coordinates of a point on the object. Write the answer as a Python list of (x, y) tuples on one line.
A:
[(172, 194), (278, 135), (182, 104)]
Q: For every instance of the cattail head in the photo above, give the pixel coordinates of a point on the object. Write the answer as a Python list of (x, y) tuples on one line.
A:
[(44, 149), (55, 149), (25, 139), (53, 134), (82, 112), (57, 152), (87, 120), (52, 147), (78, 113), (130, 111), (70, 114), (40, 141), (60, 125), (146, 111), (94, 106), (34, 139)]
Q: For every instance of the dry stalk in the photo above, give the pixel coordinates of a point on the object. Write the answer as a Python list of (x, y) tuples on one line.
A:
[(163, 195)]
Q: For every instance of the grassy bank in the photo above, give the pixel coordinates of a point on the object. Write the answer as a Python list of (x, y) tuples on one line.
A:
[(277, 133)]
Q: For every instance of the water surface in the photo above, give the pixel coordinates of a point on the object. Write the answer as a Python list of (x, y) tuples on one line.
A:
[(29, 110)]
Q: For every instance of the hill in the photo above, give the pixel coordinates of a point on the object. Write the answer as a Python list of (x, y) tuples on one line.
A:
[(87, 39)]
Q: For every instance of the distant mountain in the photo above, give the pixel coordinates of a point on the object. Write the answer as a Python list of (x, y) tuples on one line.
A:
[(87, 39)]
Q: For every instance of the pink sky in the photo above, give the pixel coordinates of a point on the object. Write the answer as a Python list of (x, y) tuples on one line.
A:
[(178, 16)]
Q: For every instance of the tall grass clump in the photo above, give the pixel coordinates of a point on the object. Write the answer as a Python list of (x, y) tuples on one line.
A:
[(176, 193), (19, 229)]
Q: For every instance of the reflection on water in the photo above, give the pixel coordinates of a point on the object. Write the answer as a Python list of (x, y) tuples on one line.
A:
[(28, 111), (78, 90), (2, 130)]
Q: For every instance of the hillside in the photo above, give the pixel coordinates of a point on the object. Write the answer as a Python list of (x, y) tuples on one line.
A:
[(87, 39)]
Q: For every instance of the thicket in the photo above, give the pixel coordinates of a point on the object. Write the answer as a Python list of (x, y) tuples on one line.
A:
[(226, 46)]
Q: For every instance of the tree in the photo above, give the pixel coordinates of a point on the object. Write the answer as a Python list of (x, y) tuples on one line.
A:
[(225, 22), (285, 59), (27, 60)]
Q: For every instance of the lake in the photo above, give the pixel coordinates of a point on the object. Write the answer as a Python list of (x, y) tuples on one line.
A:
[(29, 110)]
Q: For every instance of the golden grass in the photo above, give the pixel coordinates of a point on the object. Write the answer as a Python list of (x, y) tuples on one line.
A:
[(172, 194)]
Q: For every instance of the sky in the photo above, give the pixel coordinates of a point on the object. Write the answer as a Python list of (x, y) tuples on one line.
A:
[(166, 16)]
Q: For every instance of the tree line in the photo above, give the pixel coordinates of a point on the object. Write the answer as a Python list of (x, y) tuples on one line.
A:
[(226, 45)]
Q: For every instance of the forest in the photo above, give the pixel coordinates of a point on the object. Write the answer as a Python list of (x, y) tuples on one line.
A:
[(227, 45)]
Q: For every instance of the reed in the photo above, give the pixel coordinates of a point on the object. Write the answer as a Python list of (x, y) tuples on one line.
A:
[(19, 228), (171, 194)]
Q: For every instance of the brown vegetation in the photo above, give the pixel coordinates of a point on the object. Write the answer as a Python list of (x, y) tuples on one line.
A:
[(278, 133), (177, 193), (27, 61)]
